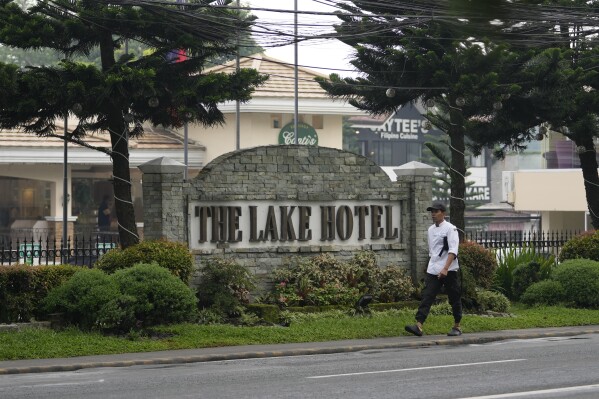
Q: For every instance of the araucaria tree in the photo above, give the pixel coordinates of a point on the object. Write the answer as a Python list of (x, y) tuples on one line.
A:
[(123, 93), (406, 53)]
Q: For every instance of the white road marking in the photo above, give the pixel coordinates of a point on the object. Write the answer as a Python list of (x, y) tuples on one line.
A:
[(541, 392), (59, 384), (418, 368)]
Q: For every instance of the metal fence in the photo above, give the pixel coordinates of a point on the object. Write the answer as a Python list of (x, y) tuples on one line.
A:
[(85, 251), (76, 251), (545, 243)]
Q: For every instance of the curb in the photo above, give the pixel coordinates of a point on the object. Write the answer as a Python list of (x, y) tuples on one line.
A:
[(415, 342)]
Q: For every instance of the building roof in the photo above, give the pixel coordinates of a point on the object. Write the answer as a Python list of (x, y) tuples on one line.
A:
[(17, 146), (281, 81), (277, 94)]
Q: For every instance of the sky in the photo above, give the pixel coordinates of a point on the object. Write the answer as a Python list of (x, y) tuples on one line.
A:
[(322, 56)]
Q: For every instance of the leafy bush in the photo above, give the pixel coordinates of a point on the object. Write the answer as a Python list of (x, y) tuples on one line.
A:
[(492, 301), (140, 296), (322, 280), (546, 292), (394, 285), (585, 245), (580, 281), (479, 261), (224, 286), (23, 288), (510, 258), (469, 290), (82, 298), (152, 295), (173, 256), (524, 276)]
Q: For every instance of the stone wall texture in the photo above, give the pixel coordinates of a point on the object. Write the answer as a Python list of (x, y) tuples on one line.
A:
[(284, 173)]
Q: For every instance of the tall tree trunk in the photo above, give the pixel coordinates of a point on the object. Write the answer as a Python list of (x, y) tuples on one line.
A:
[(588, 164), (457, 173), (121, 176)]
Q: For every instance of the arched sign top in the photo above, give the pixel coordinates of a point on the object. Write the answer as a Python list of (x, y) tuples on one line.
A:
[(306, 134)]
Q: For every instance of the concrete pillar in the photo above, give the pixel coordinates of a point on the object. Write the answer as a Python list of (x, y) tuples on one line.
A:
[(418, 178), (165, 216)]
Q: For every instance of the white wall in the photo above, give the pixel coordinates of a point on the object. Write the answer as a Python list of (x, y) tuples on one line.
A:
[(256, 130)]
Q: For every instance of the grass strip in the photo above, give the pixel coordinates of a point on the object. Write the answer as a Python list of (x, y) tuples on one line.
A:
[(34, 343)]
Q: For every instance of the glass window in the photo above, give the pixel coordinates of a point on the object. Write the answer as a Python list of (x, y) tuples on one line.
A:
[(276, 121)]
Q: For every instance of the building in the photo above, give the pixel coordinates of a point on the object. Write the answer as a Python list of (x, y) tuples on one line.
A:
[(546, 180), (32, 177), (267, 119)]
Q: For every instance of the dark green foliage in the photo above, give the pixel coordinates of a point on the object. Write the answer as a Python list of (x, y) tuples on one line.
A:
[(140, 296), (584, 246), (224, 287), (469, 290), (546, 292), (513, 257), (22, 289), (173, 256), (82, 298), (580, 280), (152, 296), (480, 262), (492, 301), (268, 313), (524, 276)]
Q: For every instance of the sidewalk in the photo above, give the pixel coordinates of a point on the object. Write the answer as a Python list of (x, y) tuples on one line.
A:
[(262, 351)]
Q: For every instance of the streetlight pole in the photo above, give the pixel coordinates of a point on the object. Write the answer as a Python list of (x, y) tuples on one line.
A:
[(296, 105)]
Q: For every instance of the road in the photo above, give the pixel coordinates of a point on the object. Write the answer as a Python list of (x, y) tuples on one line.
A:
[(566, 367)]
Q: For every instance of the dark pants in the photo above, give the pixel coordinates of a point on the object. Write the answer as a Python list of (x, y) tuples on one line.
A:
[(432, 287)]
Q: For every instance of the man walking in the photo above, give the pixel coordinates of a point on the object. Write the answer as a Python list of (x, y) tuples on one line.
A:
[(442, 270)]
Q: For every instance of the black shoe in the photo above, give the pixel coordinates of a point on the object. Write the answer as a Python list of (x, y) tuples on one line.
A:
[(454, 332), (413, 329)]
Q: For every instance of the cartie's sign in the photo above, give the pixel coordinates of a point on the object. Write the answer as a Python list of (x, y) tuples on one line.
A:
[(306, 134)]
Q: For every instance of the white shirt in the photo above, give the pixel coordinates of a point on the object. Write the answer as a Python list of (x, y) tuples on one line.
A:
[(435, 247)]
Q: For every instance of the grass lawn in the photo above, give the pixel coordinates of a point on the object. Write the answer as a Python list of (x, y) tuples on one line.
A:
[(44, 343)]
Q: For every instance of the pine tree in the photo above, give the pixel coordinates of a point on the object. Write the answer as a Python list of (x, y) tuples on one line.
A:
[(559, 85), (406, 54), (122, 93)]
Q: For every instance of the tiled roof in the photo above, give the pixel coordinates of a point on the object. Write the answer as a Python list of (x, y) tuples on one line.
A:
[(281, 82), (153, 138)]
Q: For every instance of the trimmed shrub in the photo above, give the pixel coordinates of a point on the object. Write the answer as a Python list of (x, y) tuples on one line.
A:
[(224, 286), (492, 301), (469, 291), (510, 258), (585, 246), (23, 288), (395, 285), (152, 296), (546, 292), (173, 256), (580, 280), (524, 276), (479, 261), (82, 298)]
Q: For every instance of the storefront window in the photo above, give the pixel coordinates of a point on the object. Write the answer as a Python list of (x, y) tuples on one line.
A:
[(23, 199)]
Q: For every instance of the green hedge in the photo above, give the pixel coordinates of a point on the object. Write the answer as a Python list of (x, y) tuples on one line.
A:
[(22, 288), (174, 256)]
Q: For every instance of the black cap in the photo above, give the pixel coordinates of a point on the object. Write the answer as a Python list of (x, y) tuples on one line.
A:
[(438, 206)]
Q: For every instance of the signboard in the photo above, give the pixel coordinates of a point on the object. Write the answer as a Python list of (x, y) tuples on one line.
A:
[(103, 247), (261, 224), (28, 252), (306, 134)]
